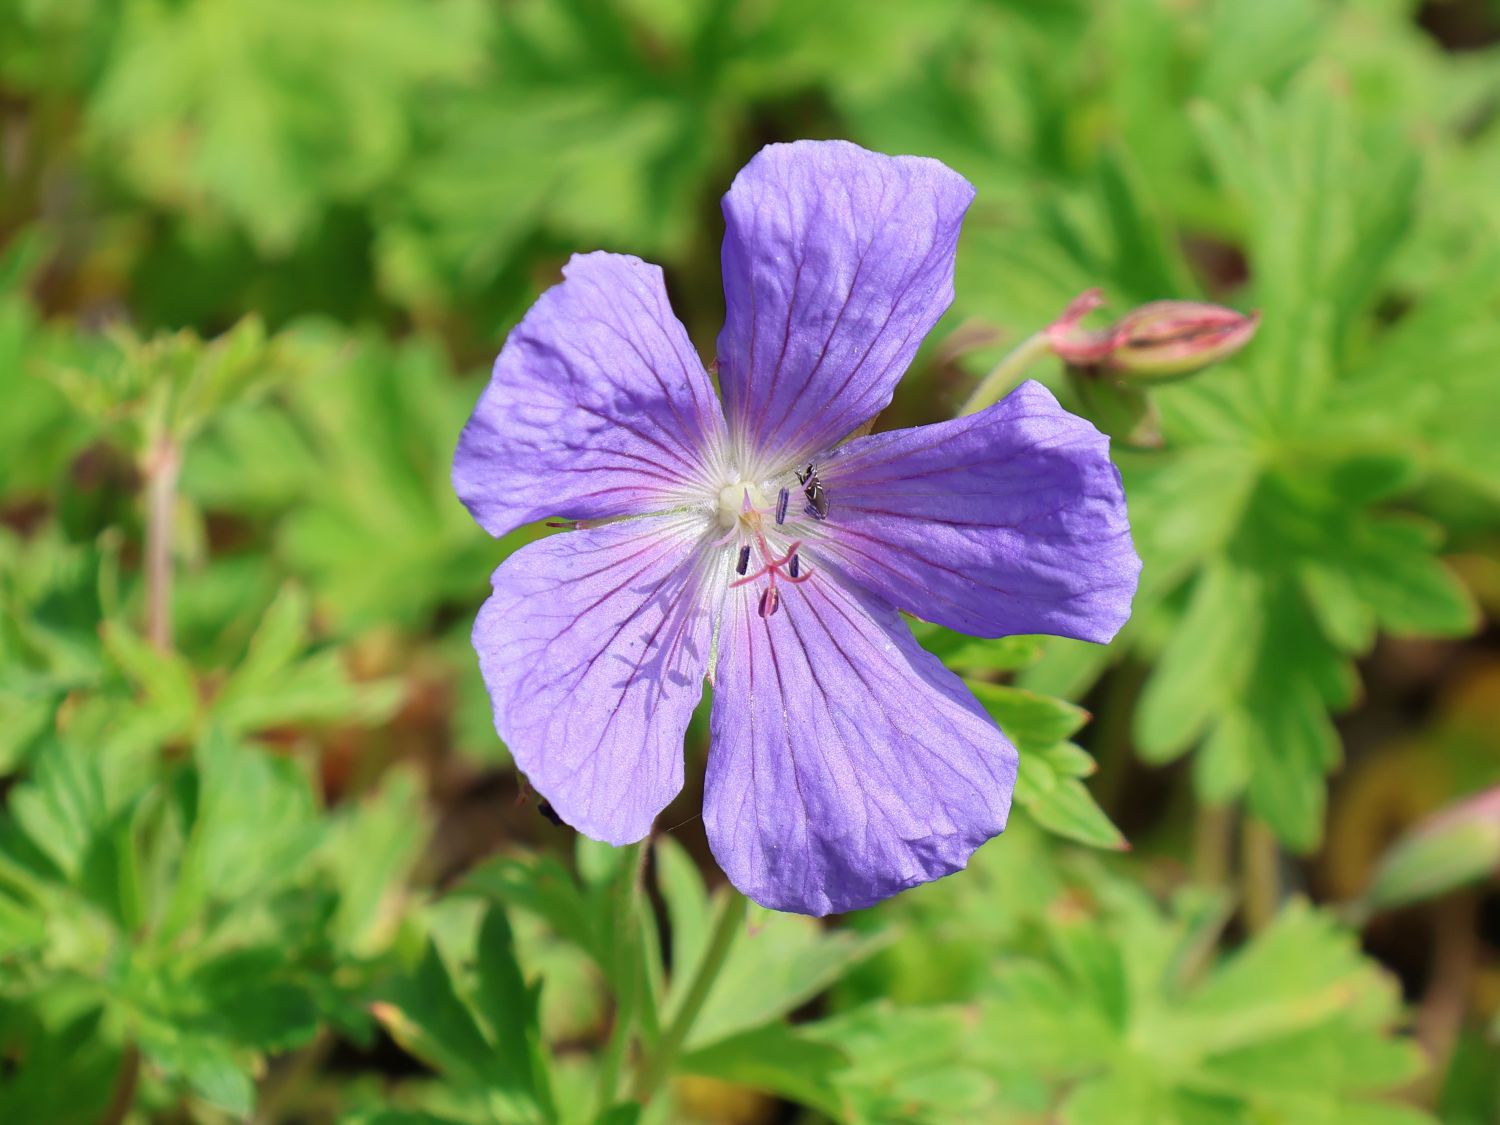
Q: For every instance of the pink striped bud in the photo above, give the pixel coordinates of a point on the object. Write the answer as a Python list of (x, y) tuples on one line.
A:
[(1156, 342)]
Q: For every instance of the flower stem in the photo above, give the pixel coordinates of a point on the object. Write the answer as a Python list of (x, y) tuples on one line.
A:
[(1004, 376), (628, 901), (163, 464), (655, 1068)]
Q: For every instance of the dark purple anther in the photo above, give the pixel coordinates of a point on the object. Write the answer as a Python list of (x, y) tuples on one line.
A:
[(744, 563), (781, 502), (770, 601), (795, 567)]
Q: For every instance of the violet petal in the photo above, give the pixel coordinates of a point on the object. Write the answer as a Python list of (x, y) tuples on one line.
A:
[(837, 262), (598, 406), (594, 647), (1009, 521), (847, 764)]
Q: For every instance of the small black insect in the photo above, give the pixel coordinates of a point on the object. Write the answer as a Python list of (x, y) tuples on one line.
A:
[(546, 809), (812, 488)]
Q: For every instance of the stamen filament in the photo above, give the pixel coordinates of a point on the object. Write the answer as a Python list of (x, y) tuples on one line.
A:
[(773, 564)]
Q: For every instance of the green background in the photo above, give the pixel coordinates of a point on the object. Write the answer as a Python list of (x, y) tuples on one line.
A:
[(263, 858)]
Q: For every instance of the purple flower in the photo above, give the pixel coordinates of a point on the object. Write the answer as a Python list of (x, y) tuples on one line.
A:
[(749, 547)]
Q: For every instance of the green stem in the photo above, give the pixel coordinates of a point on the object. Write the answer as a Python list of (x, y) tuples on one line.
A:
[(122, 1096), (658, 1065), (1213, 833), (1004, 376), (1260, 860), (1455, 960), (162, 466), (627, 976)]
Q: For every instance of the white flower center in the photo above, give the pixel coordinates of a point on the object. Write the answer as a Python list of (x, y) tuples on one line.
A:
[(732, 502)]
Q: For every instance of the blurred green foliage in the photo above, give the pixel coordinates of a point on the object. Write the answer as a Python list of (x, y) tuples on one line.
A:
[(259, 853)]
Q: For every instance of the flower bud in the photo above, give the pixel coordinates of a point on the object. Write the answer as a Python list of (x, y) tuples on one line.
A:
[(1158, 341), (1169, 338), (1459, 845)]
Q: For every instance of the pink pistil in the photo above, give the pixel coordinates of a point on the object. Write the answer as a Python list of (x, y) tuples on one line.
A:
[(770, 600)]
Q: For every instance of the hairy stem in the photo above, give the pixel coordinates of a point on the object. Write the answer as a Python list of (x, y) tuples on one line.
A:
[(1004, 376), (163, 464), (658, 1065)]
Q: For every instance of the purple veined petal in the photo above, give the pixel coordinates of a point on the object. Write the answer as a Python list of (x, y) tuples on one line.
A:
[(847, 763), (1009, 521), (837, 262), (593, 647), (598, 406)]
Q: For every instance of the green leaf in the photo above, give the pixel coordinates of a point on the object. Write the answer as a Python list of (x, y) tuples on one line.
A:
[(1204, 665), (372, 848), (426, 1015), (378, 532), (1029, 719), (1068, 809), (1096, 966), (972, 655), (912, 1064), (272, 136), (1144, 248), (1126, 1000), (542, 886), (781, 962), (687, 904), (63, 1065), (626, 1113), (249, 995), (253, 825), (22, 926), (63, 805), (165, 679), (110, 874), (1293, 743), (509, 1010), (1125, 1097), (778, 1060), (1344, 615), (1392, 568), (207, 1065), (1221, 769), (1301, 972)]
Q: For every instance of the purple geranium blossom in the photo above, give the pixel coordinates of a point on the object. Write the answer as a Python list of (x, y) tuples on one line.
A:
[(750, 547)]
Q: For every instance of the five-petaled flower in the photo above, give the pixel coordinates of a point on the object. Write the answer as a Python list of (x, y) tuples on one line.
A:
[(748, 546)]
